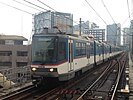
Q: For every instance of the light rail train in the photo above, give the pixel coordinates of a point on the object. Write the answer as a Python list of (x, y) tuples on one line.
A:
[(61, 57)]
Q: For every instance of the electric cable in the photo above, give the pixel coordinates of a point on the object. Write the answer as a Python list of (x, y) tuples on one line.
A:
[(26, 5), (16, 8), (35, 5), (107, 10)]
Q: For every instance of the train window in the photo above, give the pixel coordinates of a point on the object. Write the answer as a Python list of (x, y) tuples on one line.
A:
[(83, 49), (44, 49), (78, 49), (62, 51)]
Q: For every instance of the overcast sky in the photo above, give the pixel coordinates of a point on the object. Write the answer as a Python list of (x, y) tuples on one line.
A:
[(15, 22)]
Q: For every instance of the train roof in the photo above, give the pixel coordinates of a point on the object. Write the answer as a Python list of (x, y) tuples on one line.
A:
[(73, 36)]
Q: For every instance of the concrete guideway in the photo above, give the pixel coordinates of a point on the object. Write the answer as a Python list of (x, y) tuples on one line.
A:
[(130, 77)]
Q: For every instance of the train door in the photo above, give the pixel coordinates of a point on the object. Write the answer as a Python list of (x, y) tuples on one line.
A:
[(88, 52), (70, 55)]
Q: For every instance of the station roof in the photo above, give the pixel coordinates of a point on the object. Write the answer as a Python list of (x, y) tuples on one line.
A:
[(12, 37)]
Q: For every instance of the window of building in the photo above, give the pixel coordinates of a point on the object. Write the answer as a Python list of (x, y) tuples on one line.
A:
[(22, 53), (18, 42), (2, 42), (5, 63), (21, 64), (9, 42), (5, 53)]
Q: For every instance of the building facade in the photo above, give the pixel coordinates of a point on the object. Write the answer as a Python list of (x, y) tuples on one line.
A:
[(126, 38), (99, 34), (114, 34), (49, 19), (131, 36), (14, 55)]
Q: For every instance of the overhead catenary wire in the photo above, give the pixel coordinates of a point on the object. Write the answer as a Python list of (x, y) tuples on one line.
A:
[(50, 8), (127, 19), (107, 11), (57, 11), (46, 5), (44, 8), (129, 16), (54, 10), (35, 5), (95, 12), (16, 8), (26, 5), (128, 9), (98, 14)]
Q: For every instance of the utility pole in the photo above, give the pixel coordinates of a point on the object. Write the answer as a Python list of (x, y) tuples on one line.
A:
[(131, 32), (80, 26)]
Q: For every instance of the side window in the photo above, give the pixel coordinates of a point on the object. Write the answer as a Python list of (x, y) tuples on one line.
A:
[(78, 47), (83, 50), (61, 50)]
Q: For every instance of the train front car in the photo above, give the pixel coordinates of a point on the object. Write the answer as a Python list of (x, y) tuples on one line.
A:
[(48, 55)]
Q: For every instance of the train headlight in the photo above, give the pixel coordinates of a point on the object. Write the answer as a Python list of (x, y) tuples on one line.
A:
[(33, 69), (51, 69)]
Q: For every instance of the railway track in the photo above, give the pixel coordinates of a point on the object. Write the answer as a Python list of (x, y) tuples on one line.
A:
[(36, 93), (28, 93), (107, 89), (72, 92), (18, 93)]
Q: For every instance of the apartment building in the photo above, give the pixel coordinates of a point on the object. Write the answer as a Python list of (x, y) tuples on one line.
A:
[(14, 55)]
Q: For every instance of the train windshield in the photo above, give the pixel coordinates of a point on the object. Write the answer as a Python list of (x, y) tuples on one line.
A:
[(44, 50)]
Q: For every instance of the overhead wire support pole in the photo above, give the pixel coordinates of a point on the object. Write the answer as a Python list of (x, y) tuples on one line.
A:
[(128, 10), (131, 28), (132, 38), (80, 26)]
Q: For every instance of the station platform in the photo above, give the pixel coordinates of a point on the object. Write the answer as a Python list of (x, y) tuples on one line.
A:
[(131, 76)]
